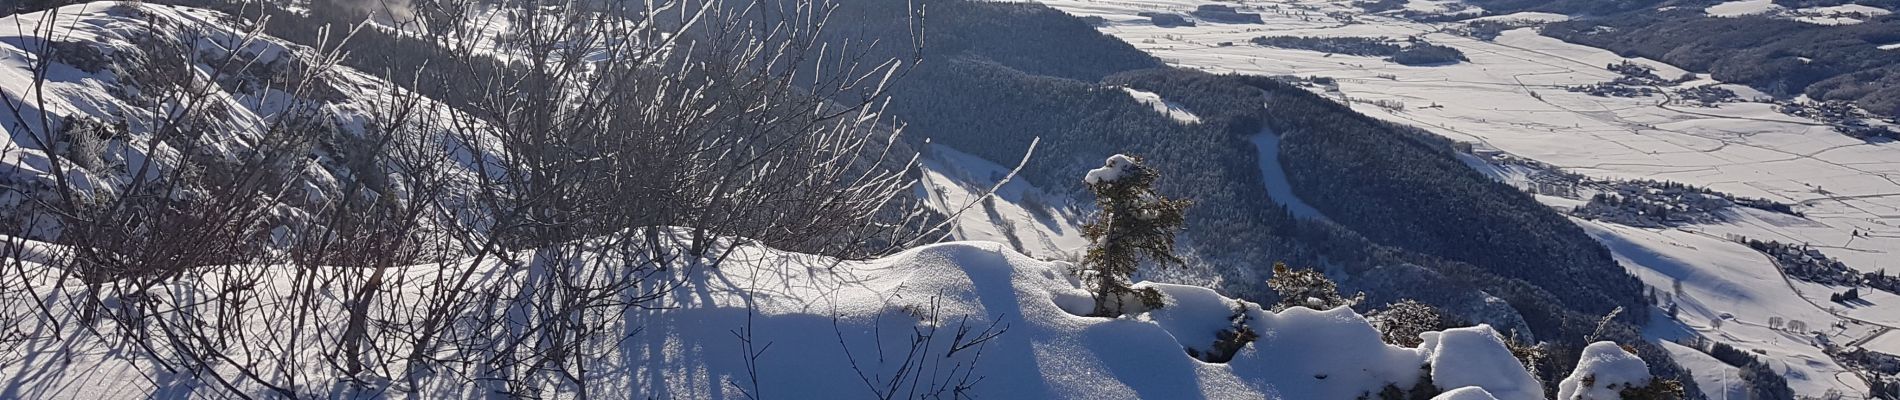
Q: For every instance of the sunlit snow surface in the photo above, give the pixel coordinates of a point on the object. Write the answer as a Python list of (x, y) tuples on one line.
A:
[(1510, 98), (819, 314)]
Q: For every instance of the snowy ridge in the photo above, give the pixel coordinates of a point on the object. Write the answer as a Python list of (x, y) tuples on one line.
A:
[(821, 314)]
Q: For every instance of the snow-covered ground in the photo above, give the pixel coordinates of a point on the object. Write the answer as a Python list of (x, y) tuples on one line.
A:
[(1738, 8), (1022, 215), (1168, 108), (834, 327), (101, 78), (1728, 292), (1278, 187), (1510, 97), (1719, 380)]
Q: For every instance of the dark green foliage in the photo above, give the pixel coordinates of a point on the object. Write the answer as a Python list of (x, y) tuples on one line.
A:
[(1401, 188), (1401, 322), (1763, 381), (1427, 54), (1782, 57), (1657, 389), (1228, 342), (1425, 389), (1135, 223), (1306, 288), (1417, 52), (1375, 6), (1889, 5)]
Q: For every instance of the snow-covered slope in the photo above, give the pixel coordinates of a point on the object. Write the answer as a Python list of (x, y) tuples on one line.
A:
[(990, 317), (1163, 106), (1029, 219), (167, 84), (1729, 293)]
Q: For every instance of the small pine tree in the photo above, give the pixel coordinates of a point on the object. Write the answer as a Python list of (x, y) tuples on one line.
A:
[(1134, 222)]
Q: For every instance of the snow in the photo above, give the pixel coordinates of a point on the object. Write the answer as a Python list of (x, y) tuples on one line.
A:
[(1717, 380), (1030, 219), (1509, 98), (1886, 343), (1111, 170), (1267, 144), (819, 314), (1167, 108), (1477, 357), (1465, 393), (121, 91), (1845, 14), (1602, 371), (1728, 293), (1848, 9), (1738, 8)]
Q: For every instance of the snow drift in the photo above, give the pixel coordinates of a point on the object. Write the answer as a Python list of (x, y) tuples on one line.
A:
[(989, 321)]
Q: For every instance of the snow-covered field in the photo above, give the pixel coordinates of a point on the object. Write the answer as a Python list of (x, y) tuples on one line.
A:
[(1510, 97), (1728, 292)]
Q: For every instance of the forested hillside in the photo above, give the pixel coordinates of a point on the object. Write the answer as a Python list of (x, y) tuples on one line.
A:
[(1783, 57), (1434, 229)]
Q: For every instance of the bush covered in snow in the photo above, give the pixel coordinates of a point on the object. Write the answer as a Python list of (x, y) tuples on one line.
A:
[(1607, 371)]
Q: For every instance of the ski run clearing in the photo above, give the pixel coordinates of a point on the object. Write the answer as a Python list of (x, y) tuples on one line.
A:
[(1510, 97)]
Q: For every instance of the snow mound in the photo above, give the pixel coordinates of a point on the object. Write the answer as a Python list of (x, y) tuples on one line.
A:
[(1111, 171), (1465, 393), (1602, 372), (1332, 354), (1477, 357), (834, 325)]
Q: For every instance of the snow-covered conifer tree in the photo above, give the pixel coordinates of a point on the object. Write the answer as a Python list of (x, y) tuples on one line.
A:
[(1134, 222)]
